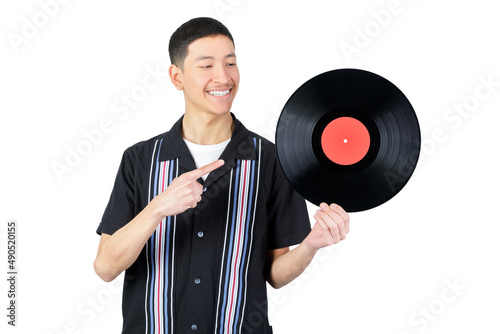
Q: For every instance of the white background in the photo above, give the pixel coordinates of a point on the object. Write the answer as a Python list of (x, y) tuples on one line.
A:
[(67, 74)]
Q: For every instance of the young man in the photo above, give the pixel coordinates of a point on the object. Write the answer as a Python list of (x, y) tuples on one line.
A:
[(197, 249)]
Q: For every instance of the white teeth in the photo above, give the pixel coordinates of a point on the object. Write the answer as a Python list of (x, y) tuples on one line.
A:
[(218, 92)]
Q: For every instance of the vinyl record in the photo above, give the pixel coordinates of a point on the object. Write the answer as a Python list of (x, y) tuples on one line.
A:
[(349, 137)]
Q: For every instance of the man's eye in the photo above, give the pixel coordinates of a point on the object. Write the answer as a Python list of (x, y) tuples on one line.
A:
[(206, 66), (231, 64)]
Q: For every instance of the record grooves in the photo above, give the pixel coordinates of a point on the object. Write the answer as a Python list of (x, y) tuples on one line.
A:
[(349, 137)]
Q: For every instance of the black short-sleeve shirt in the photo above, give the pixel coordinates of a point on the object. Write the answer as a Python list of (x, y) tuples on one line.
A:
[(203, 271)]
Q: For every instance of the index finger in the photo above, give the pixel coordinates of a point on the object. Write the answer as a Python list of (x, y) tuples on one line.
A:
[(335, 214), (197, 173), (339, 210)]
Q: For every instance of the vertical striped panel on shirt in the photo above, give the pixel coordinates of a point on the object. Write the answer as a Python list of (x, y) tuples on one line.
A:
[(158, 303), (240, 219)]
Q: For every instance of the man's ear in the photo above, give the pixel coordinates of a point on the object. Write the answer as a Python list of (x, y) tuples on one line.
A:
[(176, 77)]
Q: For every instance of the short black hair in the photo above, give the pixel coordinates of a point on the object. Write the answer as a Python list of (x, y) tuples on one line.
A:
[(189, 32)]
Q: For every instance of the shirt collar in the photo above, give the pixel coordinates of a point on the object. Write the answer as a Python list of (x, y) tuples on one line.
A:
[(241, 145)]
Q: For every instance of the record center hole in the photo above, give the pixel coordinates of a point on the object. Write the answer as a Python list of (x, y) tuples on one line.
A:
[(345, 141)]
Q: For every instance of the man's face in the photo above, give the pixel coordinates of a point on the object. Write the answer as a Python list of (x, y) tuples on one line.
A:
[(210, 78)]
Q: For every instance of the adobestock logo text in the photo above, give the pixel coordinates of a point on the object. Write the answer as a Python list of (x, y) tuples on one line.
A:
[(34, 23), (121, 108), (365, 34)]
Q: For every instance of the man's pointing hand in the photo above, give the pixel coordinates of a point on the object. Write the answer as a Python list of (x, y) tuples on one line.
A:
[(184, 192)]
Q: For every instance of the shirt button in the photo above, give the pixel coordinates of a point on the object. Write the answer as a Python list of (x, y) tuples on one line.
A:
[(201, 234), (194, 327), (204, 189), (197, 280)]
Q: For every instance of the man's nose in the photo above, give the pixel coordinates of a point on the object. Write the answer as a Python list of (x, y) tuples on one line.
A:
[(221, 75)]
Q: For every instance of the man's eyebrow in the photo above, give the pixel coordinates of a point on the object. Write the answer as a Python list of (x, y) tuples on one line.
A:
[(231, 55)]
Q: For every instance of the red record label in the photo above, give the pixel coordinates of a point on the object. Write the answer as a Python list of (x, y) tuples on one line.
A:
[(345, 141)]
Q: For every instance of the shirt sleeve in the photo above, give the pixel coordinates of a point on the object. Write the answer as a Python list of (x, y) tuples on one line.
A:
[(287, 212), (121, 205)]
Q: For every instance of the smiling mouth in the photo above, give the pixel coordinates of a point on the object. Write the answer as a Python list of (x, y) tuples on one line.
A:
[(219, 92)]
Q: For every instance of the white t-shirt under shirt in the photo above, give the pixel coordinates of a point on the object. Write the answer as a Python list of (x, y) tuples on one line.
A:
[(205, 154)]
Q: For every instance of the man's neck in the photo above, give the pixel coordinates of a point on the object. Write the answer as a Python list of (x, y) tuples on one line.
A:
[(207, 129)]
